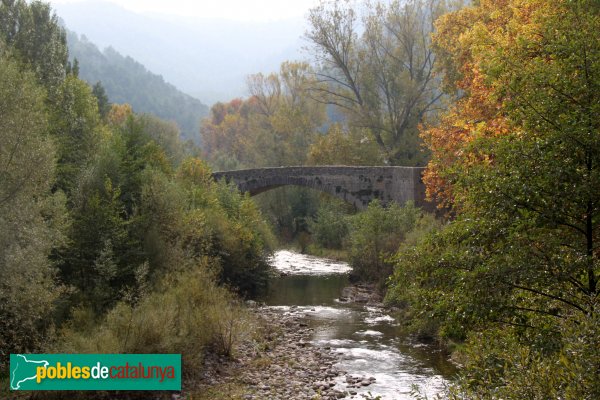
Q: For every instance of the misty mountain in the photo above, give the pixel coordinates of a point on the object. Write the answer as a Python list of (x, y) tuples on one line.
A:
[(207, 58), (128, 81)]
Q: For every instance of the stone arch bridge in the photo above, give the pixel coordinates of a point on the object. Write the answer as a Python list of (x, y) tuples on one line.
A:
[(355, 185)]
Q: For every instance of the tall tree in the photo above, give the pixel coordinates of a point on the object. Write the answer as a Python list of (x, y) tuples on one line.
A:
[(477, 112), (383, 78), (523, 251), (274, 127), (287, 117), (31, 217), (75, 123), (345, 147), (33, 31), (103, 103)]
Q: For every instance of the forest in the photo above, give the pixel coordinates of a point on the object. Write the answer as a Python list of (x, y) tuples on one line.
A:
[(105, 213), (114, 225), (127, 81)]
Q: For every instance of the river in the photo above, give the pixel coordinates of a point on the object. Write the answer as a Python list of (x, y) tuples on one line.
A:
[(367, 339)]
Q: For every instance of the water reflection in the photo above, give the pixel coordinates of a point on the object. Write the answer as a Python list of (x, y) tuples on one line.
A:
[(369, 342), (304, 290)]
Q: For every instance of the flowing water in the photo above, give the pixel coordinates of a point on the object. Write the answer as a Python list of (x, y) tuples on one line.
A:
[(368, 340)]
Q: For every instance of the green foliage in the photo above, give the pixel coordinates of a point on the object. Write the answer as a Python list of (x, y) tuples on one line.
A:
[(289, 209), (339, 147), (429, 283), (166, 135), (274, 127), (501, 364), (528, 221), (31, 217), (97, 233), (132, 207), (106, 234), (187, 314), (516, 273), (33, 32), (139, 152), (193, 233), (149, 243), (75, 123), (376, 234), (147, 248), (103, 103), (240, 240), (330, 226)]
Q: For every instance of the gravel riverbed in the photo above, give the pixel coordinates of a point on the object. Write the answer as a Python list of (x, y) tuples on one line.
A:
[(286, 365)]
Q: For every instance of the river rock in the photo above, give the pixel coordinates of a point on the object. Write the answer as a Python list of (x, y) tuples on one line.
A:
[(361, 293), (289, 367)]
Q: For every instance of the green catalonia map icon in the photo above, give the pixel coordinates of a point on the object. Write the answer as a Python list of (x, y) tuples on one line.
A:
[(23, 370)]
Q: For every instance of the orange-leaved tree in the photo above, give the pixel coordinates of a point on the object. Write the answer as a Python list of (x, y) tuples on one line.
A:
[(463, 41)]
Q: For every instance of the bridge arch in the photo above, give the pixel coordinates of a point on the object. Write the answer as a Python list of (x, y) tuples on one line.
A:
[(355, 185)]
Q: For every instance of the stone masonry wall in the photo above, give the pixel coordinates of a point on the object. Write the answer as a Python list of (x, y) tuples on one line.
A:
[(356, 185)]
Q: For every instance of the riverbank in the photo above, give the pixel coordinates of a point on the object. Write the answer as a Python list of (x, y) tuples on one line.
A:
[(281, 364), (317, 336)]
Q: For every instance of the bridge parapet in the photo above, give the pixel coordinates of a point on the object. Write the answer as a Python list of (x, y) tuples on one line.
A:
[(355, 185)]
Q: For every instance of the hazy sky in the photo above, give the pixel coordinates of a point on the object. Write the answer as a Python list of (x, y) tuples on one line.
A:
[(242, 10)]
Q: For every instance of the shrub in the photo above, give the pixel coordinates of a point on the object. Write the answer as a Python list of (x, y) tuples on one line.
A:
[(241, 240), (189, 314), (376, 234), (330, 226), (501, 363)]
